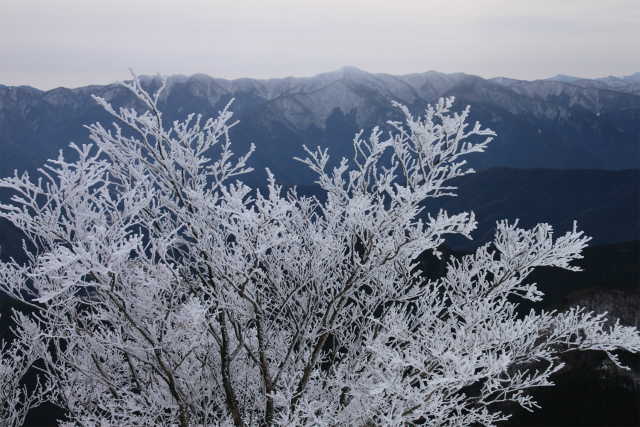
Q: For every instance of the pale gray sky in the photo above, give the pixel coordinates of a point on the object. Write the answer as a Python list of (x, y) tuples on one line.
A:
[(72, 43)]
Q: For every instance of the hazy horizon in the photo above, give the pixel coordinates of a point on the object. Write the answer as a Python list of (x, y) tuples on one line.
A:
[(310, 76)]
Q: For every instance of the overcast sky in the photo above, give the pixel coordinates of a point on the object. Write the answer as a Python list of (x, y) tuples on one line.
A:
[(72, 43)]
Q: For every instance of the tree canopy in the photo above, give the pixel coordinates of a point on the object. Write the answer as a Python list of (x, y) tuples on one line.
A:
[(167, 292)]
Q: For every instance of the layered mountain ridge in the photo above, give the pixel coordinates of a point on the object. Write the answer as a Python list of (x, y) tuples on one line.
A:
[(545, 123)]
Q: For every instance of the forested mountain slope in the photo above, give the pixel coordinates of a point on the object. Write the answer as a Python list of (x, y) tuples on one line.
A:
[(550, 124)]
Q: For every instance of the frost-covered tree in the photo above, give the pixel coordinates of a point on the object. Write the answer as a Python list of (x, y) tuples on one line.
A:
[(169, 294), (16, 358)]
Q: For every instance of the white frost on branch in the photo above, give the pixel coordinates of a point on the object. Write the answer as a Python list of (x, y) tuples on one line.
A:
[(16, 399), (167, 294)]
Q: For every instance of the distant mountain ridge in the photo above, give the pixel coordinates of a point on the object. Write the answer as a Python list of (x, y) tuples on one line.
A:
[(556, 124), (611, 81), (619, 82)]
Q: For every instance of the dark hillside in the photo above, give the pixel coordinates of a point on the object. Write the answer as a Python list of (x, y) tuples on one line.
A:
[(605, 204)]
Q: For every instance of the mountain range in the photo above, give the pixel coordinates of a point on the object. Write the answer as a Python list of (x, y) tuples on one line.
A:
[(561, 123), (566, 148)]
